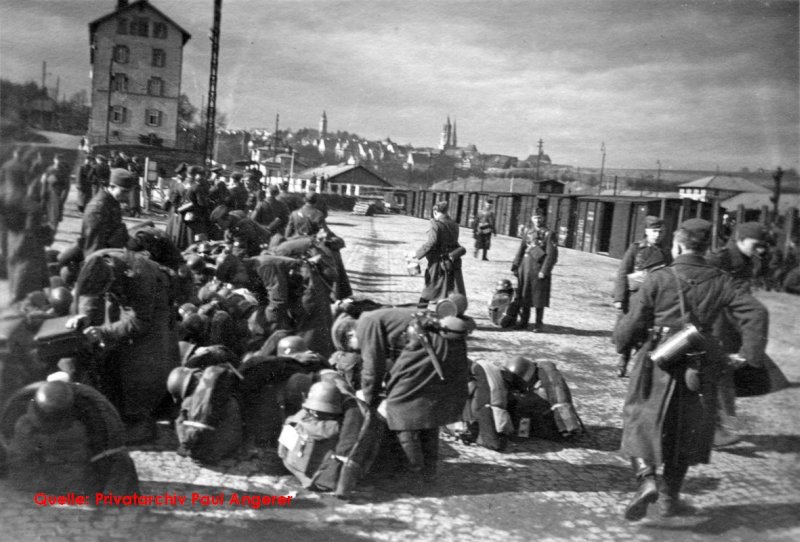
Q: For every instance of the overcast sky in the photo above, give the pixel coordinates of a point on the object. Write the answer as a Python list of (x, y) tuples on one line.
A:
[(692, 84)]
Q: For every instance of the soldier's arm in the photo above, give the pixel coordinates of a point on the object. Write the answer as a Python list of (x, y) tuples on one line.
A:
[(433, 235), (753, 321), (625, 267), (632, 328), (552, 254), (94, 231), (523, 246), (137, 319), (373, 344)]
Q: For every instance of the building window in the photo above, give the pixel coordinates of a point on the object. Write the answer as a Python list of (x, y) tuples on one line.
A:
[(152, 117), (159, 58), (118, 114), (119, 82), (139, 27), (122, 26), (121, 54), (160, 30), (155, 86)]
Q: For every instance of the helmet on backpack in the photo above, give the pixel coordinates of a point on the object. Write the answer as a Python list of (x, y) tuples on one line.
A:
[(523, 368), (503, 285), (443, 308), (54, 398), (292, 344), (178, 382), (60, 300), (342, 326), (452, 327), (324, 396)]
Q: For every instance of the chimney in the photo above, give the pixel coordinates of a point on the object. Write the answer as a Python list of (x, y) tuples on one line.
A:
[(122, 4)]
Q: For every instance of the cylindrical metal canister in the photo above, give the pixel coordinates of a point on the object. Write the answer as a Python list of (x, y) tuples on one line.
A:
[(675, 347), (413, 268)]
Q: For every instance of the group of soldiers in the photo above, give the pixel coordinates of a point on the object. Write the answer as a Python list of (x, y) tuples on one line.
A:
[(246, 269)]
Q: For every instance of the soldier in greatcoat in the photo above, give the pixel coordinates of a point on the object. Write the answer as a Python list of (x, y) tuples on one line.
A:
[(669, 411), (533, 266), (443, 275), (83, 180), (483, 230), (102, 225), (126, 300), (273, 214), (23, 228), (55, 189), (642, 256), (307, 220)]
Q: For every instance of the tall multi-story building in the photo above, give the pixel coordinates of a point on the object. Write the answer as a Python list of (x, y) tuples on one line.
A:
[(136, 58)]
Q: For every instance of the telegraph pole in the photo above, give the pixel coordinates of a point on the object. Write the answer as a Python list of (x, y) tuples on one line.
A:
[(211, 111), (602, 165), (658, 176)]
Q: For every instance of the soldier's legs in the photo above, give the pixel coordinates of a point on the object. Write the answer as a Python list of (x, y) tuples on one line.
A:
[(411, 443), (429, 439), (670, 503), (647, 492), (524, 317), (539, 324), (726, 423)]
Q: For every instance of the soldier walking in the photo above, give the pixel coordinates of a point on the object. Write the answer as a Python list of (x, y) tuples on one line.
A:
[(483, 230), (533, 266)]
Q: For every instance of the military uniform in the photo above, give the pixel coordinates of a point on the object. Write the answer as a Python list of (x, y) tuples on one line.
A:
[(667, 416), (272, 214), (537, 254), (483, 231), (129, 297), (308, 220), (102, 225), (640, 256), (443, 275)]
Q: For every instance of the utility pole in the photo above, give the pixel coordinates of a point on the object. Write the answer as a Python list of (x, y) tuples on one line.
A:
[(539, 158), (602, 165), (777, 176), (211, 112), (658, 176)]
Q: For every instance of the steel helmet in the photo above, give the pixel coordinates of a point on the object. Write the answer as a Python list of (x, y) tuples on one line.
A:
[(324, 396), (60, 300), (54, 398), (195, 263), (292, 344), (443, 308), (523, 368), (452, 327), (460, 301), (343, 325), (503, 285), (179, 381)]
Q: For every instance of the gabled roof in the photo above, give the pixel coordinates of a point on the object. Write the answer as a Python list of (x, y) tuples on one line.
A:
[(722, 182), (143, 4), (330, 172), (758, 200)]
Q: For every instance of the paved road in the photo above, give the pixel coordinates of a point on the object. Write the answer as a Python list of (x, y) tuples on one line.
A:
[(537, 490)]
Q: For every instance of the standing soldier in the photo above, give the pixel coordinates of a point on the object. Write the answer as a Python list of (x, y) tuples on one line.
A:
[(100, 173), (272, 213), (533, 266), (307, 220), (483, 230), (641, 257), (669, 410), (102, 225), (738, 257), (238, 193), (443, 275), (55, 188), (84, 182)]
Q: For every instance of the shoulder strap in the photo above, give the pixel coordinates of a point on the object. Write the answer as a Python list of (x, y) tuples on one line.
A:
[(681, 298)]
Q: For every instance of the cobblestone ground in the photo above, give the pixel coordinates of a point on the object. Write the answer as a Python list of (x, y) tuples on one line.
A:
[(537, 490)]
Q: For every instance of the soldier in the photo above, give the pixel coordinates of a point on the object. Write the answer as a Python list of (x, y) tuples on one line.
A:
[(738, 257), (100, 173), (102, 225), (668, 416), (533, 266), (195, 206), (307, 220), (483, 230), (55, 188), (272, 213), (244, 233), (238, 195), (84, 182), (443, 275), (642, 256), (25, 235), (124, 298)]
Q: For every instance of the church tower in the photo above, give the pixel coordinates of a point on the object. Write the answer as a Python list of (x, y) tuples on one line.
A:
[(444, 142), (323, 125), (454, 140)]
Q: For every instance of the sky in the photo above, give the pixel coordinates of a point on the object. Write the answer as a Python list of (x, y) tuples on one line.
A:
[(692, 85)]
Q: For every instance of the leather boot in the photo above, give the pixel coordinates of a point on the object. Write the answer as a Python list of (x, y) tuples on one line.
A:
[(722, 438), (524, 318), (412, 447), (646, 494), (622, 365), (670, 503), (429, 440), (539, 324)]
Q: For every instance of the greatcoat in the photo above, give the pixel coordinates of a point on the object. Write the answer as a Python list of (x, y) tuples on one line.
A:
[(664, 420), (443, 275), (537, 253)]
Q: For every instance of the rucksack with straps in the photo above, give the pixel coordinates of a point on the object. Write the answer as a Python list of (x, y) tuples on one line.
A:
[(209, 426), (554, 389)]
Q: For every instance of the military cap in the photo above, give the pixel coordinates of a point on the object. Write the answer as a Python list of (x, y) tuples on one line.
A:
[(237, 176), (653, 223), (182, 167), (100, 157), (196, 170), (274, 189), (751, 230), (440, 206), (697, 228), (122, 178)]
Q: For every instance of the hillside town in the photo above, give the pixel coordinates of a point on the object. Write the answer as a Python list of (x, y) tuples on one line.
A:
[(210, 331)]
